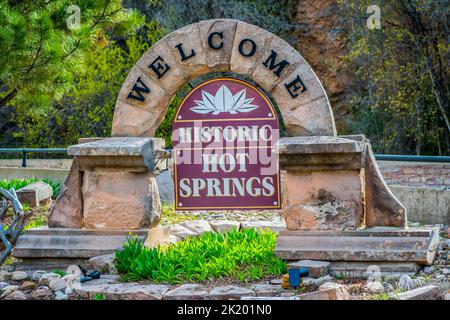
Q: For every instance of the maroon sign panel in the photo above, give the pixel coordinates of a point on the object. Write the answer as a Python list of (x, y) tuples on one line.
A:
[(223, 138)]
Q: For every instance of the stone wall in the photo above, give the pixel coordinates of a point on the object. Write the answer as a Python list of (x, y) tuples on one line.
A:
[(416, 174)]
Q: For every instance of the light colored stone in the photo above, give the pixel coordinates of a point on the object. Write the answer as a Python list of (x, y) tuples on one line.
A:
[(374, 287), (59, 295), (11, 288), (187, 292), (180, 231), (224, 225), (189, 37), (242, 64), (47, 277), (382, 207), (407, 283), (218, 59), (197, 226), (422, 293), (171, 76), (16, 295), (266, 77), (310, 92), (122, 291), (132, 121), (334, 293), (428, 270), (37, 275), (322, 280), (316, 269), (263, 225), (165, 187), (160, 236), (67, 210), (57, 284), (447, 296), (42, 293), (19, 275), (28, 285), (266, 290), (229, 292), (323, 204), (36, 194), (104, 263), (107, 207), (3, 285)]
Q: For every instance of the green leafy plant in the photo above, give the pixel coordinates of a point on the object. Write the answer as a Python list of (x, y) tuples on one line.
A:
[(99, 296), (244, 255), (60, 272), (20, 183)]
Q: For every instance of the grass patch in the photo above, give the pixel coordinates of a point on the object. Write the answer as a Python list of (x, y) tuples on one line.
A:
[(244, 256), (170, 216)]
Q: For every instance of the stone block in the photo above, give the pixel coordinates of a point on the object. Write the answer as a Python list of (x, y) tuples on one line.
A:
[(244, 33), (198, 227), (187, 40), (263, 225), (224, 225), (336, 293), (423, 293), (268, 78), (63, 243), (67, 211), (122, 291), (328, 200), (316, 269), (417, 246), (120, 200), (187, 292), (36, 194), (132, 121), (229, 292), (165, 187), (217, 37), (311, 119)]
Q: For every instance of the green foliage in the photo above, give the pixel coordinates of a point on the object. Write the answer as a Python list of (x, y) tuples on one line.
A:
[(37, 220), (401, 95), (244, 256), (62, 273), (20, 183), (99, 296), (40, 54), (170, 216), (87, 110)]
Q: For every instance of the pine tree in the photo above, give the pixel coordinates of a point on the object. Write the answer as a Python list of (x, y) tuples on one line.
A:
[(42, 44)]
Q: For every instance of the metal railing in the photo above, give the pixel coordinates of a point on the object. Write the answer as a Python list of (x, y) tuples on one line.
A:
[(25, 151), (385, 157)]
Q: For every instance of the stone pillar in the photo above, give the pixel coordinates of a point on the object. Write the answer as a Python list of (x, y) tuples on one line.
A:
[(323, 184), (113, 185)]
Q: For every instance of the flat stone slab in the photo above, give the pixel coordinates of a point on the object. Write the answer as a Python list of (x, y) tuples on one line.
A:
[(116, 146), (365, 270), (123, 291), (229, 293), (263, 225), (423, 293), (187, 292), (61, 243), (316, 269), (317, 144), (379, 246)]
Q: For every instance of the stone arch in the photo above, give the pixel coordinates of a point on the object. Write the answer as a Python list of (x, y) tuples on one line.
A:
[(222, 45)]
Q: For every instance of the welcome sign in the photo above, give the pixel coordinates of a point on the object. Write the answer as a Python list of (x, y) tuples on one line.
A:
[(224, 134)]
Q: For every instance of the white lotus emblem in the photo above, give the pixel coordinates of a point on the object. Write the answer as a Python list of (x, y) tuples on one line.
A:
[(223, 101)]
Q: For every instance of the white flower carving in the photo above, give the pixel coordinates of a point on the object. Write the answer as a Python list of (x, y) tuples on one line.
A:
[(224, 101)]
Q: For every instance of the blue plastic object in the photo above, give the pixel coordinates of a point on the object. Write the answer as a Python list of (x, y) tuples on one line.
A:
[(295, 275)]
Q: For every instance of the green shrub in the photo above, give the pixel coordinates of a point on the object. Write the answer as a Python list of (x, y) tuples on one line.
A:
[(244, 256)]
